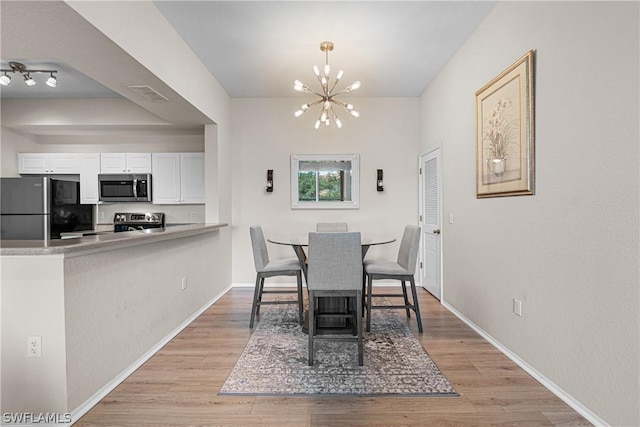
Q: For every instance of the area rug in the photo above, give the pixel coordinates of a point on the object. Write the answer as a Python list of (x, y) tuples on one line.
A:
[(275, 363)]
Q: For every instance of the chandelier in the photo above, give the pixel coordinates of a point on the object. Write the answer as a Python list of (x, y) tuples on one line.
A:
[(17, 67), (327, 96)]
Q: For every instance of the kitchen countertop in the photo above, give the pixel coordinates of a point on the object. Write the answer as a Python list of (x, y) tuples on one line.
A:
[(102, 241)]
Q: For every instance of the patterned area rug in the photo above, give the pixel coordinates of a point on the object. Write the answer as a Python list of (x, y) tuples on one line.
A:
[(275, 361)]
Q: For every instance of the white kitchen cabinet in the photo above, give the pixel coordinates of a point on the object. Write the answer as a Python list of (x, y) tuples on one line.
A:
[(178, 178), (48, 163), (125, 163), (89, 170)]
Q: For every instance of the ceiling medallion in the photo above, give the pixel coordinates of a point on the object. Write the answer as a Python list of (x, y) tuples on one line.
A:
[(327, 96)]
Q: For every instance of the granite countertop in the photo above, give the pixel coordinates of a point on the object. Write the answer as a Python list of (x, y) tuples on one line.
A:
[(102, 241)]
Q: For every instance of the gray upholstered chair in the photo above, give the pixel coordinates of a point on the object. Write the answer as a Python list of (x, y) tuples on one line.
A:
[(270, 268), (328, 227), (402, 269), (335, 270)]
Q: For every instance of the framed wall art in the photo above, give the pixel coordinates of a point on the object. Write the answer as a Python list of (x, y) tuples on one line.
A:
[(505, 132)]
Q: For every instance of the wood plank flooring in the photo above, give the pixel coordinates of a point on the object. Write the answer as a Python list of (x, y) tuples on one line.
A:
[(178, 386)]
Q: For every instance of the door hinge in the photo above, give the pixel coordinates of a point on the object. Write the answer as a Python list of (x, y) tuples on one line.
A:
[(420, 171), (420, 218), (420, 264)]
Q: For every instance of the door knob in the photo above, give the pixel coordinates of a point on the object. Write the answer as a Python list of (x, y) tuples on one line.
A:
[(436, 231)]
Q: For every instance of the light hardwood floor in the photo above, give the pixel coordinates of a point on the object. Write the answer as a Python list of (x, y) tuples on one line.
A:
[(178, 386)]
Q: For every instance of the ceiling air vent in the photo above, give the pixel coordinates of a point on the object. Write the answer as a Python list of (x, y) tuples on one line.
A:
[(149, 93)]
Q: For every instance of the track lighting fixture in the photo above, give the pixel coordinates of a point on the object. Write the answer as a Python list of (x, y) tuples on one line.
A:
[(17, 67)]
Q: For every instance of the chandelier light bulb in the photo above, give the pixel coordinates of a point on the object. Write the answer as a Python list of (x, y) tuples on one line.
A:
[(354, 86), (327, 93), (5, 80)]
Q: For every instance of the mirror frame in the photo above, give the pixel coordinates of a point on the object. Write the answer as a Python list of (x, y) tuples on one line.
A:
[(355, 181)]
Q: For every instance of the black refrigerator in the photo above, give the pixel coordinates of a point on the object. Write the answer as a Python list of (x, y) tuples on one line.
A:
[(40, 208)]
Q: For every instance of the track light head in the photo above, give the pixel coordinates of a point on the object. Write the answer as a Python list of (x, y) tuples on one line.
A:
[(52, 81), (28, 80), (5, 80)]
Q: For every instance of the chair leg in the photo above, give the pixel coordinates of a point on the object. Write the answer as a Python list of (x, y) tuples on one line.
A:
[(406, 299), (254, 306), (312, 325), (261, 286), (300, 301), (415, 303), (364, 289), (369, 292), (359, 328)]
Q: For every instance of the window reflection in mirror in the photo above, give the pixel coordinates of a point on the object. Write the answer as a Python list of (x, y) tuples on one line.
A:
[(324, 181)]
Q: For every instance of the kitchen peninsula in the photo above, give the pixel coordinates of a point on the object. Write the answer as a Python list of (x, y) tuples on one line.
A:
[(102, 305)]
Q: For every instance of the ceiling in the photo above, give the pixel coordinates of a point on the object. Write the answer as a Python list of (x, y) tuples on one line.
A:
[(254, 49)]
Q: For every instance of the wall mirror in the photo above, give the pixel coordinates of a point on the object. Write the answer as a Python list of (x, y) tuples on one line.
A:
[(325, 181)]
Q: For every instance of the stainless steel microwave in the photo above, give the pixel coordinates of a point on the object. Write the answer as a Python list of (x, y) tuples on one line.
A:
[(124, 187)]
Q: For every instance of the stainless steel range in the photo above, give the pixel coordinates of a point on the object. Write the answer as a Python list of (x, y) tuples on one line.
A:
[(137, 221)]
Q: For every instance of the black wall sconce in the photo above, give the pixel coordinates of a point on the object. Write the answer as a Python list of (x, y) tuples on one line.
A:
[(380, 186), (269, 180)]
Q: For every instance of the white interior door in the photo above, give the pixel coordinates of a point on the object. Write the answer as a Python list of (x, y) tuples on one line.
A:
[(431, 216)]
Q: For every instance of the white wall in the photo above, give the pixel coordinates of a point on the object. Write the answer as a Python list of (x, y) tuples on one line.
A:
[(265, 134), (570, 252)]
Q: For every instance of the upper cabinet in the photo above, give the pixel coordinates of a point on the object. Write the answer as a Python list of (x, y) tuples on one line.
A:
[(89, 170), (42, 163), (178, 178), (125, 163)]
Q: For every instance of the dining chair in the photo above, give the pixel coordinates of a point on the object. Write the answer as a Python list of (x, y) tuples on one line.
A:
[(335, 270), (270, 268), (327, 227), (402, 269)]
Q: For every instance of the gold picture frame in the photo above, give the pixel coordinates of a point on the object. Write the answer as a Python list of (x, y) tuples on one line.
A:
[(505, 132)]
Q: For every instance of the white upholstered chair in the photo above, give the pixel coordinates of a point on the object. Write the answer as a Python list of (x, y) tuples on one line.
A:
[(402, 269), (270, 268), (335, 270)]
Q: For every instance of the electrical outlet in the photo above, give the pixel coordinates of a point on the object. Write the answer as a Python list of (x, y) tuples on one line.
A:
[(517, 307), (101, 215), (184, 284), (450, 218), (34, 346), (193, 215)]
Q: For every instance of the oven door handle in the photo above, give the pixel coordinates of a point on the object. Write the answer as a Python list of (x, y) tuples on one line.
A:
[(135, 188)]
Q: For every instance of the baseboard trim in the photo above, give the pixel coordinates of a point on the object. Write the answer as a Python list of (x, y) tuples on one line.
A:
[(546, 382), (77, 413)]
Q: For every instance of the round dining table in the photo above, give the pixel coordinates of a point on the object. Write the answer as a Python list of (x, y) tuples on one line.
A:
[(300, 241), (328, 304)]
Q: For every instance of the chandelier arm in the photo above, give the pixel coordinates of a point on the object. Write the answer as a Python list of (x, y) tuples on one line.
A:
[(341, 92), (315, 103), (334, 86)]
